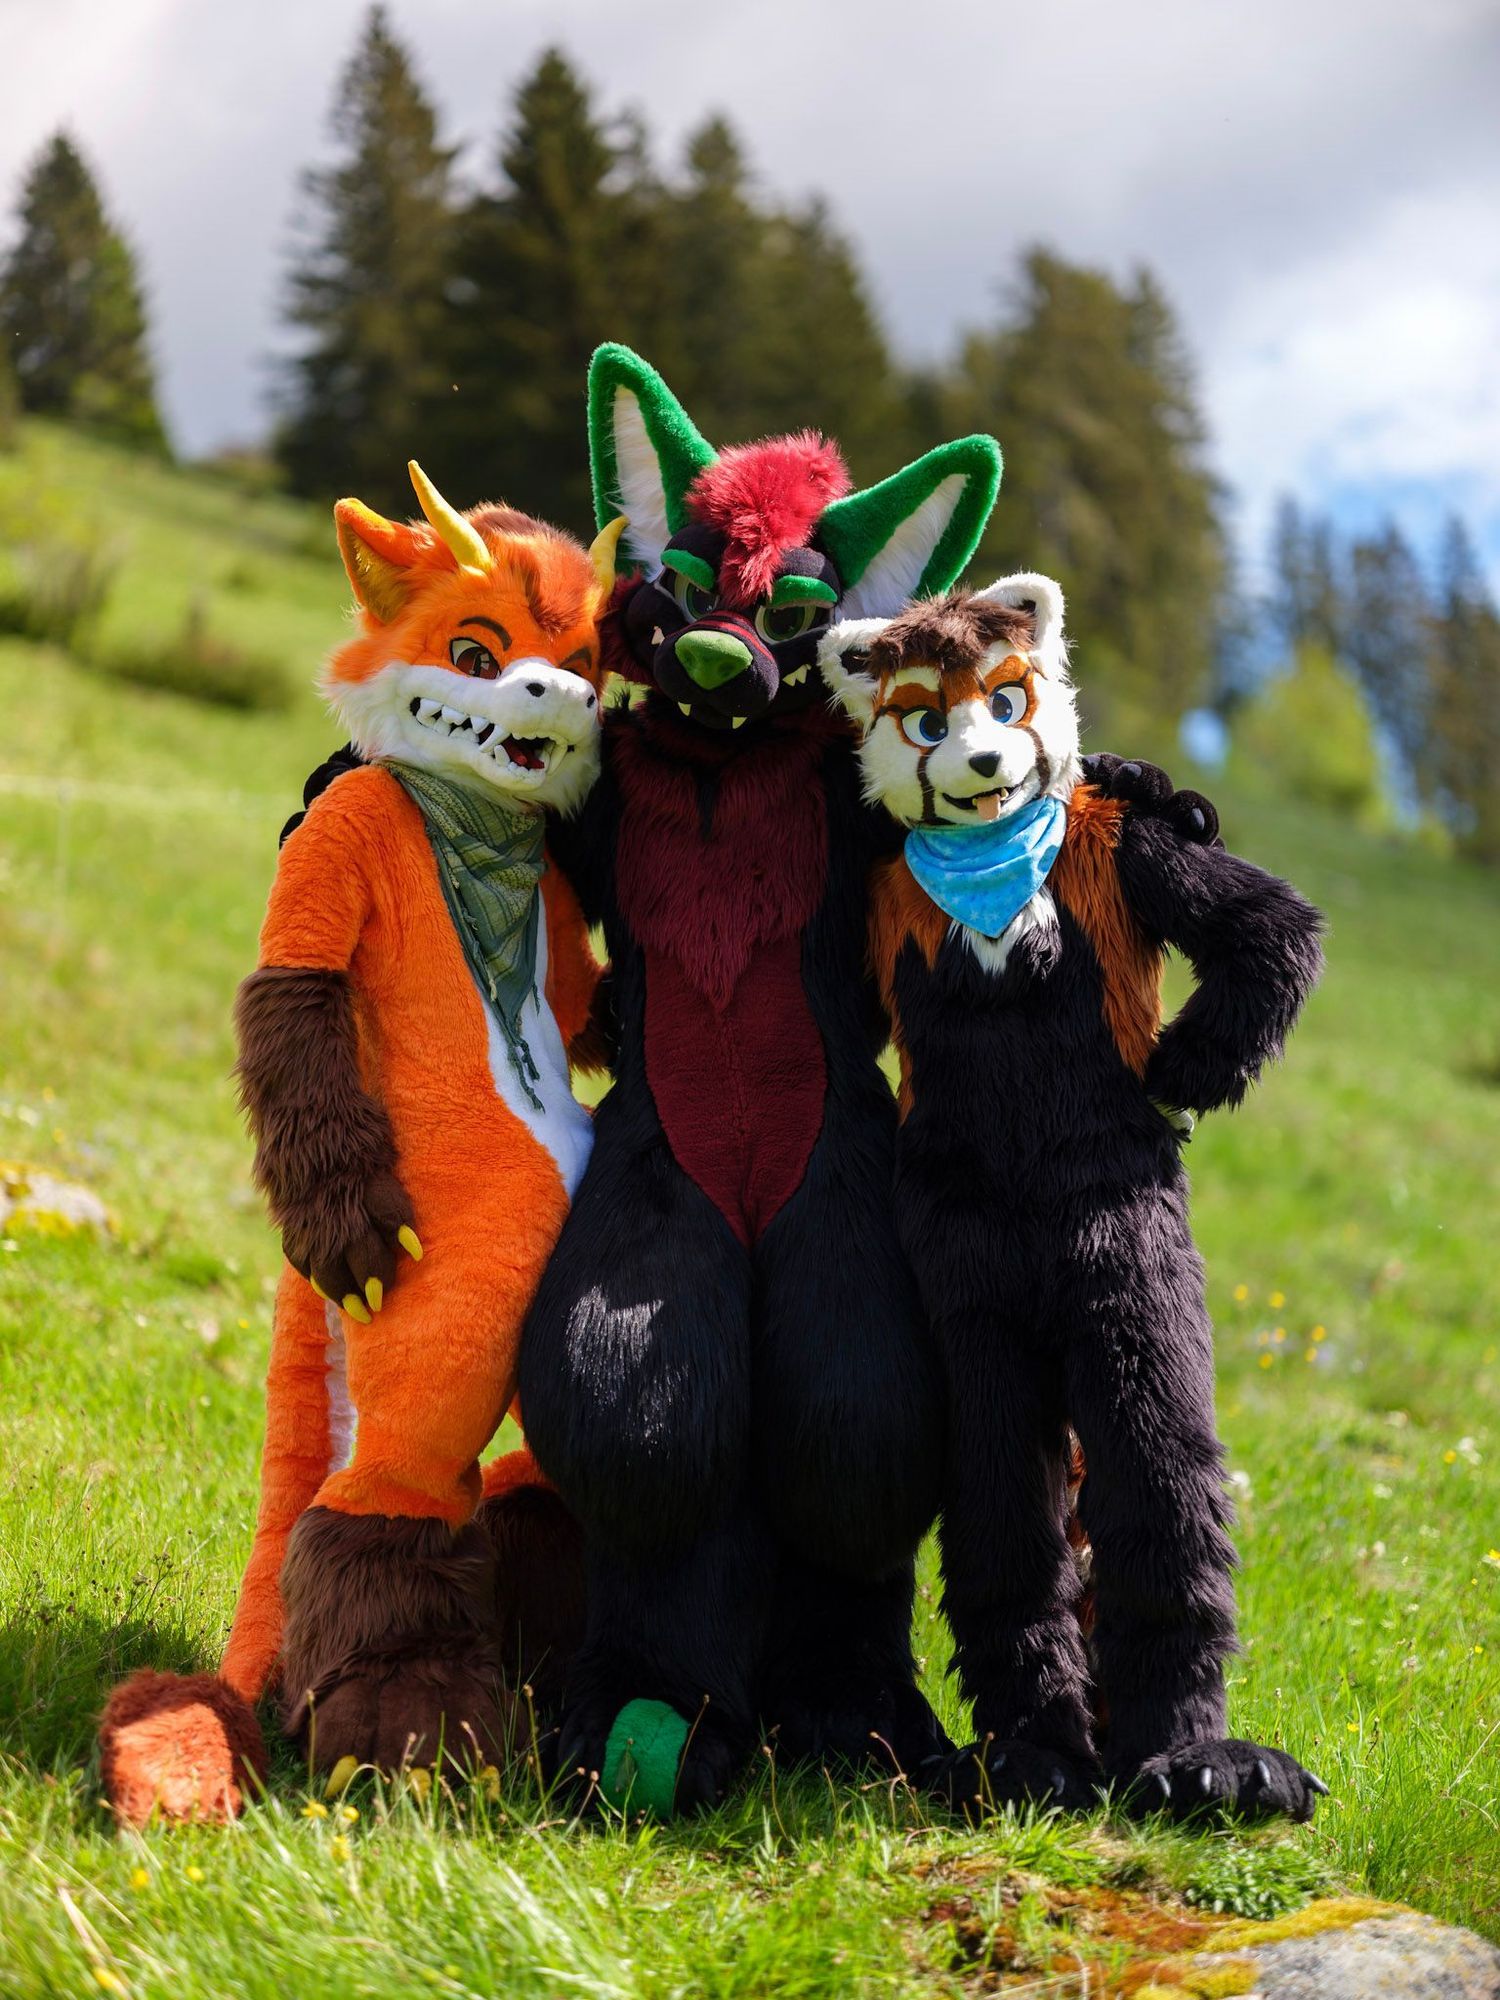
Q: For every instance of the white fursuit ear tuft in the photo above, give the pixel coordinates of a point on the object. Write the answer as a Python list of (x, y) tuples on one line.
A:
[(638, 471), (1041, 595), (893, 573), (853, 692)]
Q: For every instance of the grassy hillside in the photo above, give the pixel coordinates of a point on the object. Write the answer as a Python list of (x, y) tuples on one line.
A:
[(1347, 1216)]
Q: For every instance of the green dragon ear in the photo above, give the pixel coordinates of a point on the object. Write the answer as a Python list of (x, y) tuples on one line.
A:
[(644, 453), (913, 534)]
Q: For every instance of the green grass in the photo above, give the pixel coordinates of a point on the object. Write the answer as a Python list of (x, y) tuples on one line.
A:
[(1348, 1214)]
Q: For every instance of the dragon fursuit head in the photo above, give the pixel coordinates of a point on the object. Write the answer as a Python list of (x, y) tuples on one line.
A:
[(747, 553), (1018, 938), (404, 1064)]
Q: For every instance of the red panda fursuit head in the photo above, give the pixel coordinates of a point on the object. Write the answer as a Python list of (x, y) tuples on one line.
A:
[(404, 1064), (1018, 939)]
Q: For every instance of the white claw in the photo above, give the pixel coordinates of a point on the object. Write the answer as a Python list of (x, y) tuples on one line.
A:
[(656, 635), (1206, 1779), (1263, 1770)]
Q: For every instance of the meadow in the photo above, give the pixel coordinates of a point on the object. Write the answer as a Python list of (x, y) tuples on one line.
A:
[(1348, 1216)]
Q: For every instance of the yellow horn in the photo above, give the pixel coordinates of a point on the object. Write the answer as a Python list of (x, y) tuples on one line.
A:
[(460, 535), (602, 552)]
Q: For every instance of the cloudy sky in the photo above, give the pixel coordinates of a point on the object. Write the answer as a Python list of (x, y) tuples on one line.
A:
[(1316, 181)]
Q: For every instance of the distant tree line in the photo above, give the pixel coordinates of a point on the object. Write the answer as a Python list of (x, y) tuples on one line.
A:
[(1423, 649)]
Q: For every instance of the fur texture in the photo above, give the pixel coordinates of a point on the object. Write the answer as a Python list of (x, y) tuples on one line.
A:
[(179, 1748), (325, 1157), (390, 1652), (766, 498)]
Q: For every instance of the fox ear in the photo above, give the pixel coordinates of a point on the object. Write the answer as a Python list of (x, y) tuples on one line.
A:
[(644, 454), (841, 655), (379, 556), (1044, 600), (914, 533)]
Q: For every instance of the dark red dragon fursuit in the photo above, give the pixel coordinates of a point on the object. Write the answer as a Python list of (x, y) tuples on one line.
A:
[(1042, 1202)]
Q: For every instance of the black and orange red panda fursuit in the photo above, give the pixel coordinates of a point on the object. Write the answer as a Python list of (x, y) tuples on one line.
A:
[(1042, 1202)]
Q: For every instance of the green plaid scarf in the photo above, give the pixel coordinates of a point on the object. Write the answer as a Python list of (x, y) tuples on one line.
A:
[(489, 861)]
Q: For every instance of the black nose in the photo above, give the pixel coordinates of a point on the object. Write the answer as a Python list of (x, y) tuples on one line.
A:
[(535, 687), (987, 763)]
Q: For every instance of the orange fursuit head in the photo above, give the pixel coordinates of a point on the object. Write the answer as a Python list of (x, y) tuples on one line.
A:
[(418, 1144)]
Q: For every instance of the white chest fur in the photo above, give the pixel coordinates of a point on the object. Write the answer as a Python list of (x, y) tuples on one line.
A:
[(1040, 914), (561, 1125)]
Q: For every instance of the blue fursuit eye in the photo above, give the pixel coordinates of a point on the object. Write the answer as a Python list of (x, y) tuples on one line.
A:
[(924, 726), (1008, 704)]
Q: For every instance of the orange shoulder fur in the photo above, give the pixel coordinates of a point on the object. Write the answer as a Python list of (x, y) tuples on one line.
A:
[(1086, 883), (900, 909)]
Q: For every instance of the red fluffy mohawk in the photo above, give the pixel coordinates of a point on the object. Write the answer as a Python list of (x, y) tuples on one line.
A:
[(766, 498)]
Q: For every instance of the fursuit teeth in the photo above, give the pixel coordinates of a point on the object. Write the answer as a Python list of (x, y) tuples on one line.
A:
[(528, 753)]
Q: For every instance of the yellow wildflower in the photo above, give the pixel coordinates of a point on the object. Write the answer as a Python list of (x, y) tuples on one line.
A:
[(1267, 1359), (140, 1878), (315, 1809), (1241, 1293), (1277, 1301), (348, 1814), (338, 1847), (193, 1873), (1320, 1334)]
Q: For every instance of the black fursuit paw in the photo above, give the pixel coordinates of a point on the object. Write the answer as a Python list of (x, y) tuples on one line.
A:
[(859, 1724), (988, 1776), (1226, 1777)]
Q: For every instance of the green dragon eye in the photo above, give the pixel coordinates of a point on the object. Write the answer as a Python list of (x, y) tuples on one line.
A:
[(694, 599), (776, 623)]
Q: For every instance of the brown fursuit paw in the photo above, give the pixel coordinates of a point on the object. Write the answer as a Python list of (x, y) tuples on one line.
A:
[(389, 1653), (179, 1747)]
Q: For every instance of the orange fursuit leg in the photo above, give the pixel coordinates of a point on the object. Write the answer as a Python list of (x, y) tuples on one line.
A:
[(190, 1748), (390, 1645)]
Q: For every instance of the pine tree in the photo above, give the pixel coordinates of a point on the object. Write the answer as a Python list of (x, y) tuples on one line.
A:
[(1088, 388), (1305, 602), (72, 315), (368, 390), (553, 264), (1465, 725), (1388, 641)]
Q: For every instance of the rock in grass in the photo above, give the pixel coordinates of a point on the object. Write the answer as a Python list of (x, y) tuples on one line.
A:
[(1318, 1954), (34, 1202)]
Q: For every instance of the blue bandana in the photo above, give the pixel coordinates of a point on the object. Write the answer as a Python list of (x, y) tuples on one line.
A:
[(985, 875)]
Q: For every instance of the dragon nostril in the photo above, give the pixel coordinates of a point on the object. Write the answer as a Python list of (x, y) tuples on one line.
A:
[(535, 687), (986, 763)]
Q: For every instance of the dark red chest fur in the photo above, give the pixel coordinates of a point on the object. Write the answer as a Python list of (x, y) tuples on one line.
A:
[(722, 864)]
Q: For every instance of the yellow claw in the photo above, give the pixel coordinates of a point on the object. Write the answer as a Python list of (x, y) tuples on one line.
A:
[(375, 1293), (354, 1305), (319, 1290), (340, 1777), (407, 1237), (419, 1781)]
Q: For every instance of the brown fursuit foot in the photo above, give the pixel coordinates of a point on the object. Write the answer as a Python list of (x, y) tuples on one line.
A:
[(389, 1653)]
